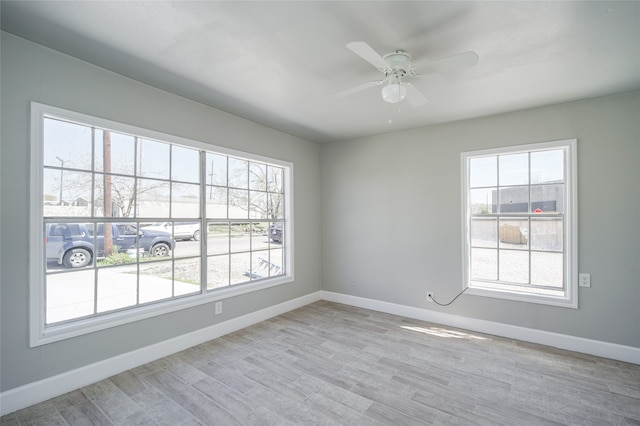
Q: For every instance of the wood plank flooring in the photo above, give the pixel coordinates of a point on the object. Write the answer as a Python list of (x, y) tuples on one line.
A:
[(332, 364)]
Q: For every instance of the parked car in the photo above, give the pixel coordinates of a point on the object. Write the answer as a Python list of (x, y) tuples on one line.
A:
[(74, 244), (181, 230), (275, 232)]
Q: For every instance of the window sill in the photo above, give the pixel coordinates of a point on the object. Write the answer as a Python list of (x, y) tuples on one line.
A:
[(524, 297), (64, 331)]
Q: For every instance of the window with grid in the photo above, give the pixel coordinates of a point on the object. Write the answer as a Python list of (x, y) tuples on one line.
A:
[(519, 228), (134, 221)]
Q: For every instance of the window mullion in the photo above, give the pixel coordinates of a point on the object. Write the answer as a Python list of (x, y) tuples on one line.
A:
[(203, 220), (498, 214), (95, 223), (530, 210)]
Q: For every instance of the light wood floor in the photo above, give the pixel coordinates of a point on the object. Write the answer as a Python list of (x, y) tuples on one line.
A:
[(332, 364)]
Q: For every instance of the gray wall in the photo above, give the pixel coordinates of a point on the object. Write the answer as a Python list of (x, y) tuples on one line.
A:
[(389, 207), (391, 215), (33, 73)]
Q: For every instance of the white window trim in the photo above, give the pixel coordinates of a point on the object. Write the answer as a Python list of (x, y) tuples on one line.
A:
[(570, 300), (41, 335)]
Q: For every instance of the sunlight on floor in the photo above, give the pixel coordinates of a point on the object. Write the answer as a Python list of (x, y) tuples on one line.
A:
[(443, 332)]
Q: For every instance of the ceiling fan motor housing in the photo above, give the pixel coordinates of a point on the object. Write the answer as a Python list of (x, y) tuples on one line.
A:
[(399, 62)]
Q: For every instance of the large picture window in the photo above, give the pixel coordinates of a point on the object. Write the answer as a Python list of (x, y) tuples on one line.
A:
[(520, 224), (129, 223)]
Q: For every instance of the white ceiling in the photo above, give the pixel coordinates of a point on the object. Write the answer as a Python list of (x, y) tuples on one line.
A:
[(279, 63)]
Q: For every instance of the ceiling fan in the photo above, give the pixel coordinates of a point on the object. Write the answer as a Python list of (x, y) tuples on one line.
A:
[(397, 67)]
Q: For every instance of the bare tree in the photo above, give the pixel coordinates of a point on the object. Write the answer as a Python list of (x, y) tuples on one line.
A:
[(268, 204)]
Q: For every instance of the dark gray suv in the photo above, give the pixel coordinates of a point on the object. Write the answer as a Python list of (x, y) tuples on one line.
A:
[(74, 245)]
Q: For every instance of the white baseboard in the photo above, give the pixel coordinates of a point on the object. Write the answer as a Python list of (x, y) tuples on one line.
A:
[(42, 390), (562, 341)]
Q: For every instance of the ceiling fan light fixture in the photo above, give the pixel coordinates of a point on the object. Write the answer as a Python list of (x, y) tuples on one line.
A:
[(394, 92)]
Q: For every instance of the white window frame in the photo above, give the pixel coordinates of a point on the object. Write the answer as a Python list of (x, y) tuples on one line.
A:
[(570, 250), (41, 334)]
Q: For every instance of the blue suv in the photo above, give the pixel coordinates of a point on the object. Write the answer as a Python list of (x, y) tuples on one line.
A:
[(74, 244)]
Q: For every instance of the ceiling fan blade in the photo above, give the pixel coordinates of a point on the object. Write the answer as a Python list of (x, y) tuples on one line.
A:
[(450, 63), (414, 96), (358, 88), (365, 51)]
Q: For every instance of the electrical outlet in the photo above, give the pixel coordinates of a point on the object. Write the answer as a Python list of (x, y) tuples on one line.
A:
[(584, 280), (217, 308), (429, 296)]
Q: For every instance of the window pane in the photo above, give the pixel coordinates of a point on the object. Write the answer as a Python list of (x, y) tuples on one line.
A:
[(68, 245), (117, 288), (514, 266), (547, 234), (218, 238), (153, 159), (216, 169), (185, 200), (265, 264), (238, 204), (156, 281), (121, 151), (514, 169), (259, 236), (275, 179), (66, 193), (69, 295), (240, 266), (238, 173), (216, 202), (240, 237), (260, 265), (546, 269), (185, 164), (484, 232), (258, 176), (483, 172), (483, 201), (514, 233), (547, 198), (217, 272), (276, 233), (484, 264), (183, 233), (51, 186), (119, 198), (153, 198), (113, 244), (258, 205), (66, 145), (153, 286), (275, 208), (76, 192), (547, 166), (186, 276), (514, 199), (276, 257)]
